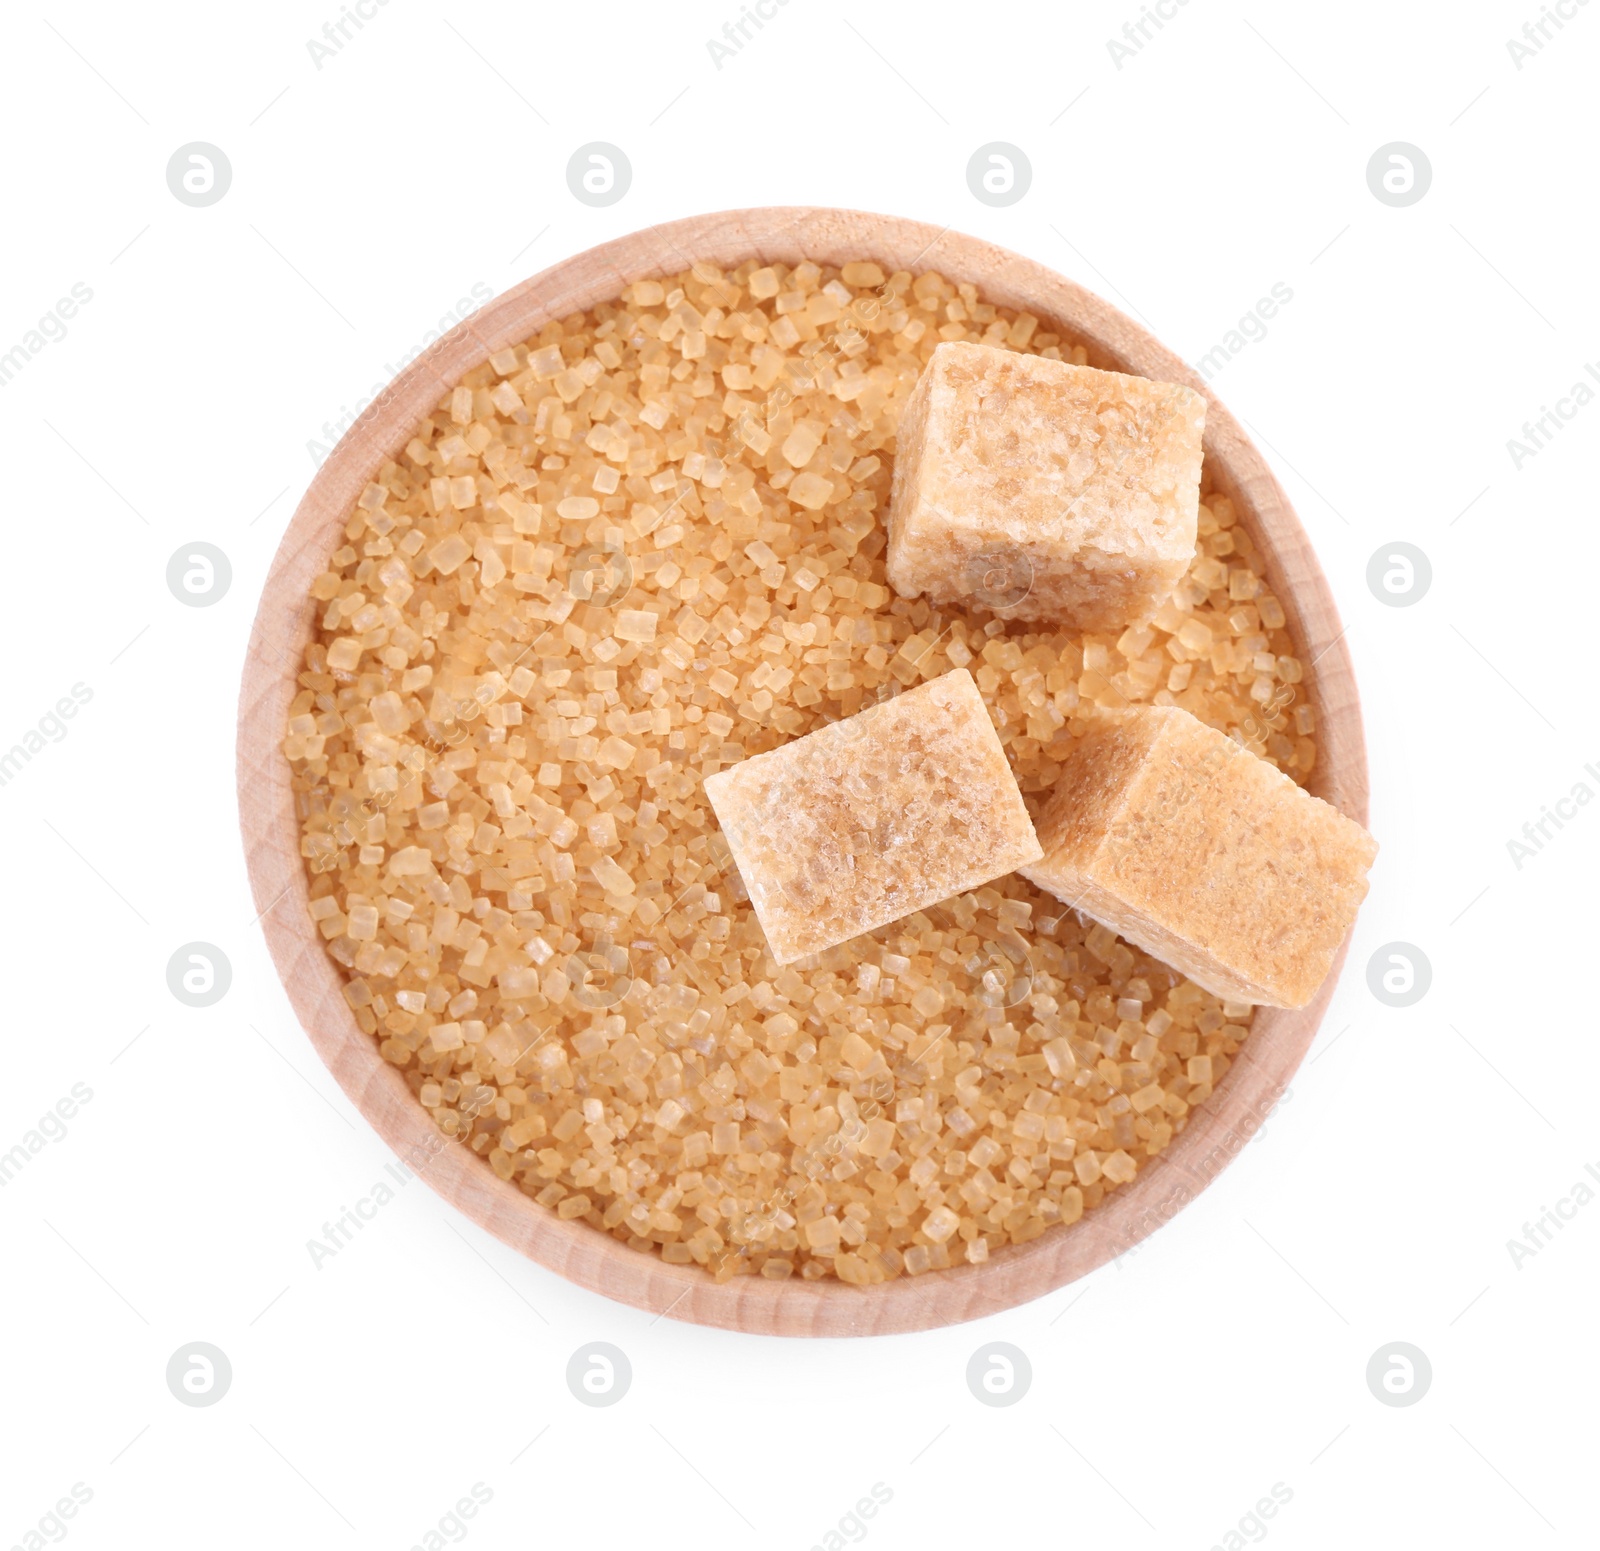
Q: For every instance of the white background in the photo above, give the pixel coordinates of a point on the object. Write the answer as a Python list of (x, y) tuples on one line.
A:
[(1171, 1390)]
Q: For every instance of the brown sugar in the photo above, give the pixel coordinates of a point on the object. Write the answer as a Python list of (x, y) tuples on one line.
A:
[(1175, 837), (867, 820), (500, 776), (1043, 490)]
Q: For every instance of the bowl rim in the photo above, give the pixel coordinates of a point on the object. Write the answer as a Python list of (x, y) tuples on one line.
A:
[(1014, 1274)]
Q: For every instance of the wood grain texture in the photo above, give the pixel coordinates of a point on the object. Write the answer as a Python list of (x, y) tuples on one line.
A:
[(1013, 1275)]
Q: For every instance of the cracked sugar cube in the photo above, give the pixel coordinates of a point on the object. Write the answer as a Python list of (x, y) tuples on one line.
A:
[(1043, 490), (1207, 857), (873, 817)]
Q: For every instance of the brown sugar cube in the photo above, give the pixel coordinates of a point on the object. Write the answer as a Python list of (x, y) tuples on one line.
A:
[(876, 816), (1183, 842), (1042, 490)]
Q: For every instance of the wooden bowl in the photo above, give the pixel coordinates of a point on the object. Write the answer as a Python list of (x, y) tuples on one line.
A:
[(283, 626)]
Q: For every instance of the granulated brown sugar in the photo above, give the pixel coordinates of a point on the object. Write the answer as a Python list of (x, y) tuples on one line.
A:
[(629, 553)]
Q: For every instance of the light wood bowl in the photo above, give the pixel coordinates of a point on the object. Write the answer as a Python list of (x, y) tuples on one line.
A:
[(283, 626)]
